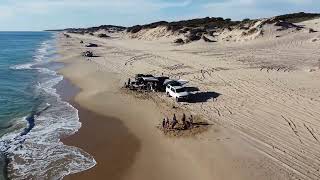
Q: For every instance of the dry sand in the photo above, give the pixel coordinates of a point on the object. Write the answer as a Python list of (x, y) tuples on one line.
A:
[(265, 122)]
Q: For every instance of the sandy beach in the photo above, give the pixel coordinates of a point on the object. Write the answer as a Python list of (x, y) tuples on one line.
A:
[(160, 90), (263, 125), (131, 147)]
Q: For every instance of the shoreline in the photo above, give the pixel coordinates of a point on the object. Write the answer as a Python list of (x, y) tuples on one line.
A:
[(119, 147), (114, 151), (40, 131), (256, 95)]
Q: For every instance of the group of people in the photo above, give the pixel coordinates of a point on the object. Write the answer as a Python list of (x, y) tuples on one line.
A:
[(166, 124)]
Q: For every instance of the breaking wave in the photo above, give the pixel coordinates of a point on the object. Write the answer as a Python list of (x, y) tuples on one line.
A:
[(34, 149)]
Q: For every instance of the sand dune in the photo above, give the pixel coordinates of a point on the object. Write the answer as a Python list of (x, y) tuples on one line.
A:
[(270, 95)]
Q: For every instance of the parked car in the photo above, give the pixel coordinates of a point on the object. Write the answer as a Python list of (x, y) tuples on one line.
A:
[(151, 82), (87, 54), (91, 45), (178, 92)]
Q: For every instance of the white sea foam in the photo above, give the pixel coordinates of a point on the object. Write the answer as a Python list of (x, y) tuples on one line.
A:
[(22, 66), (40, 154), (41, 57)]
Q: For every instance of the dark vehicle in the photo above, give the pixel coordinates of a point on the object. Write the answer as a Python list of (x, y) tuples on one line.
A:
[(91, 45), (147, 82)]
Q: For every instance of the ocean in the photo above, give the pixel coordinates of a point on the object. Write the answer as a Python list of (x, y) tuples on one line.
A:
[(33, 117)]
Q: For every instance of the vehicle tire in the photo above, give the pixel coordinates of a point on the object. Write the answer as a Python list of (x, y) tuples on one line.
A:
[(177, 99), (168, 94)]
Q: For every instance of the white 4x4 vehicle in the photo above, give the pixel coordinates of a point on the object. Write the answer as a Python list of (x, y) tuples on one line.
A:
[(177, 92)]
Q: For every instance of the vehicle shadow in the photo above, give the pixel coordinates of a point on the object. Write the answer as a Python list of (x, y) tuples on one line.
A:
[(93, 56), (200, 97), (201, 124), (192, 89)]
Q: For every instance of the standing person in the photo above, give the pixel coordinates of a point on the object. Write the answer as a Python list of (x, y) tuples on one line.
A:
[(129, 82), (184, 121), (167, 122), (174, 121), (155, 86), (164, 123), (191, 119), (184, 118)]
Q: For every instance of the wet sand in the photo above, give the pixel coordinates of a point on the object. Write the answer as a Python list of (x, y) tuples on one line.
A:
[(110, 141)]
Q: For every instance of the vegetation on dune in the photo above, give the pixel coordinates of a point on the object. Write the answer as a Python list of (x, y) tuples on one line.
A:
[(195, 29), (192, 23), (108, 28), (297, 17), (219, 22)]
